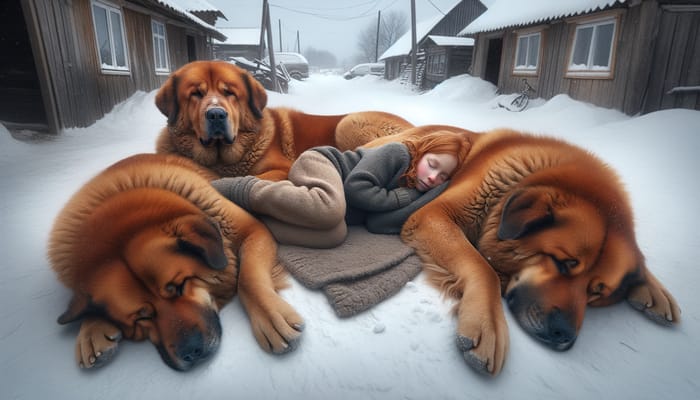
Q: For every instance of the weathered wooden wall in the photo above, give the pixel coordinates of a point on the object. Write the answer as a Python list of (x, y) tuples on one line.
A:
[(657, 49), (81, 92)]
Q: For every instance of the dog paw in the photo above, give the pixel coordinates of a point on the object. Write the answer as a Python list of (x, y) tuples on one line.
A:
[(483, 343), (655, 302), (97, 342), (276, 325)]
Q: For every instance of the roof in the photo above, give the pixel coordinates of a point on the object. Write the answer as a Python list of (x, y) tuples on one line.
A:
[(508, 13), (402, 47), (240, 36), (183, 8), (451, 40)]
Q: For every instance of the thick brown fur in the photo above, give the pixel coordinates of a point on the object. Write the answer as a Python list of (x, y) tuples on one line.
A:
[(152, 251), (544, 224), (217, 117)]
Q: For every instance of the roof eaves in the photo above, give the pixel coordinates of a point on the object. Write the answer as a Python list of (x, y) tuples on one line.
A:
[(486, 22)]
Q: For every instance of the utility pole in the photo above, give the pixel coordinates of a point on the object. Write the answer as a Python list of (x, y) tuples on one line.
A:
[(266, 27), (261, 42), (376, 44), (413, 42), (298, 43), (279, 27)]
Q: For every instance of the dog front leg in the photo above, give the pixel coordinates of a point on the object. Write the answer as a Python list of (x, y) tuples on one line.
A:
[(97, 342), (276, 325), (482, 331)]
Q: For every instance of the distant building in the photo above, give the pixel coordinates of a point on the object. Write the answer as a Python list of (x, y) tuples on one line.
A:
[(66, 64), (441, 54), (636, 56), (240, 42)]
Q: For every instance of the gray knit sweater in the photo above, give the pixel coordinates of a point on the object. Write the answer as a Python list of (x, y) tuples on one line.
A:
[(371, 181)]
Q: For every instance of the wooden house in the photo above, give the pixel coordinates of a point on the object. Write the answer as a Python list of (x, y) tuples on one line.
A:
[(636, 56), (440, 53), (240, 42), (66, 63)]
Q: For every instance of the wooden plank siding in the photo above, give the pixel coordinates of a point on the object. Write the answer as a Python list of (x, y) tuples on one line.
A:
[(64, 43), (657, 49), (675, 62)]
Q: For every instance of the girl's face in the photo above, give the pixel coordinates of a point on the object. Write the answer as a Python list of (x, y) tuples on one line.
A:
[(434, 169)]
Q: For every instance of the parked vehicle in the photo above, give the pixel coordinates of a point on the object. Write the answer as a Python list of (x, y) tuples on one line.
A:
[(263, 73), (295, 63), (365, 69)]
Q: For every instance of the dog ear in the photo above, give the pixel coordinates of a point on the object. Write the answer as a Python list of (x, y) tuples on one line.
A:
[(257, 96), (525, 211), (79, 306), (200, 235), (166, 99)]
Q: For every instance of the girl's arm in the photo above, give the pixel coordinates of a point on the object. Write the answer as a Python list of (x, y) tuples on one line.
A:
[(392, 221), (366, 185)]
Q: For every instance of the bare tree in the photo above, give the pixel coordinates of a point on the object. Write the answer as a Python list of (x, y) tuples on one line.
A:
[(392, 25), (320, 58)]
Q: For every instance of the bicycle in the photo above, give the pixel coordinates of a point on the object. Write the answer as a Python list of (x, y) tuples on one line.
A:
[(521, 100)]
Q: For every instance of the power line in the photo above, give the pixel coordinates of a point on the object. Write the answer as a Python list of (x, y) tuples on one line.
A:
[(436, 7), (320, 12)]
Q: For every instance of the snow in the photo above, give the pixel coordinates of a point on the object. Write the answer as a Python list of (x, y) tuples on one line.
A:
[(240, 36), (404, 347), (451, 40), (402, 46), (506, 13)]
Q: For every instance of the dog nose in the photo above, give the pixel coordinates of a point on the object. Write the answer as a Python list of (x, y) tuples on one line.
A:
[(193, 348), (560, 331), (216, 114)]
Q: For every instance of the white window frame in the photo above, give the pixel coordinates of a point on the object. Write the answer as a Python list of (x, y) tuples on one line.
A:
[(588, 70), (527, 68), (160, 42), (110, 10)]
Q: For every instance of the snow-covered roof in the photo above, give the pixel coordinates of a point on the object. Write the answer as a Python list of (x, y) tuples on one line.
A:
[(197, 5), (507, 13), (402, 46), (183, 7), (451, 40), (240, 36)]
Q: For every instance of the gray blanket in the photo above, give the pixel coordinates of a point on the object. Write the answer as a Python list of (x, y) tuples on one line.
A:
[(366, 269)]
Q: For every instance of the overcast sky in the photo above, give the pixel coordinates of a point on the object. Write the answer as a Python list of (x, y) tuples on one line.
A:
[(331, 25)]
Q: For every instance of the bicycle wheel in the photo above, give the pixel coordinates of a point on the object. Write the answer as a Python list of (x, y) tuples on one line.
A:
[(519, 103)]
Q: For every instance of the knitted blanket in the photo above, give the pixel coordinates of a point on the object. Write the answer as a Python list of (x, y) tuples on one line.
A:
[(366, 269)]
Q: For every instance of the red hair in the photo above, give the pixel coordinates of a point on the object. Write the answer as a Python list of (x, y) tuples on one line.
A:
[(438, 142)]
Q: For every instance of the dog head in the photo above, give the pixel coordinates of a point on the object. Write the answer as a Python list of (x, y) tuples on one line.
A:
[(166, 287), (558, 251), (212, 100)]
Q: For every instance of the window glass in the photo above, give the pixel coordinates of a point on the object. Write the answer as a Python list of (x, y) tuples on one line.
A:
[(109, 35), (582, 46), (533, 51), (522, 53), (593, 49), (601, 52), (160, 47), (527, 53), (119, 55), (102, 33)]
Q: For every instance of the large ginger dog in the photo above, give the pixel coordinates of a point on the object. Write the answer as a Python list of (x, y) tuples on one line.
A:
[(540, 222), (217, 117), (151, 251)]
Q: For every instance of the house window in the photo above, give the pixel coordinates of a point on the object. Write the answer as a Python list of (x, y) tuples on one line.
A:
[(160, 47), (593, 49), (436, 64), (527, 54), (111, 43)]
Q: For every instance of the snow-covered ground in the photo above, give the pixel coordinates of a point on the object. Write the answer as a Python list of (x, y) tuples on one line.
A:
[(403, 348)]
